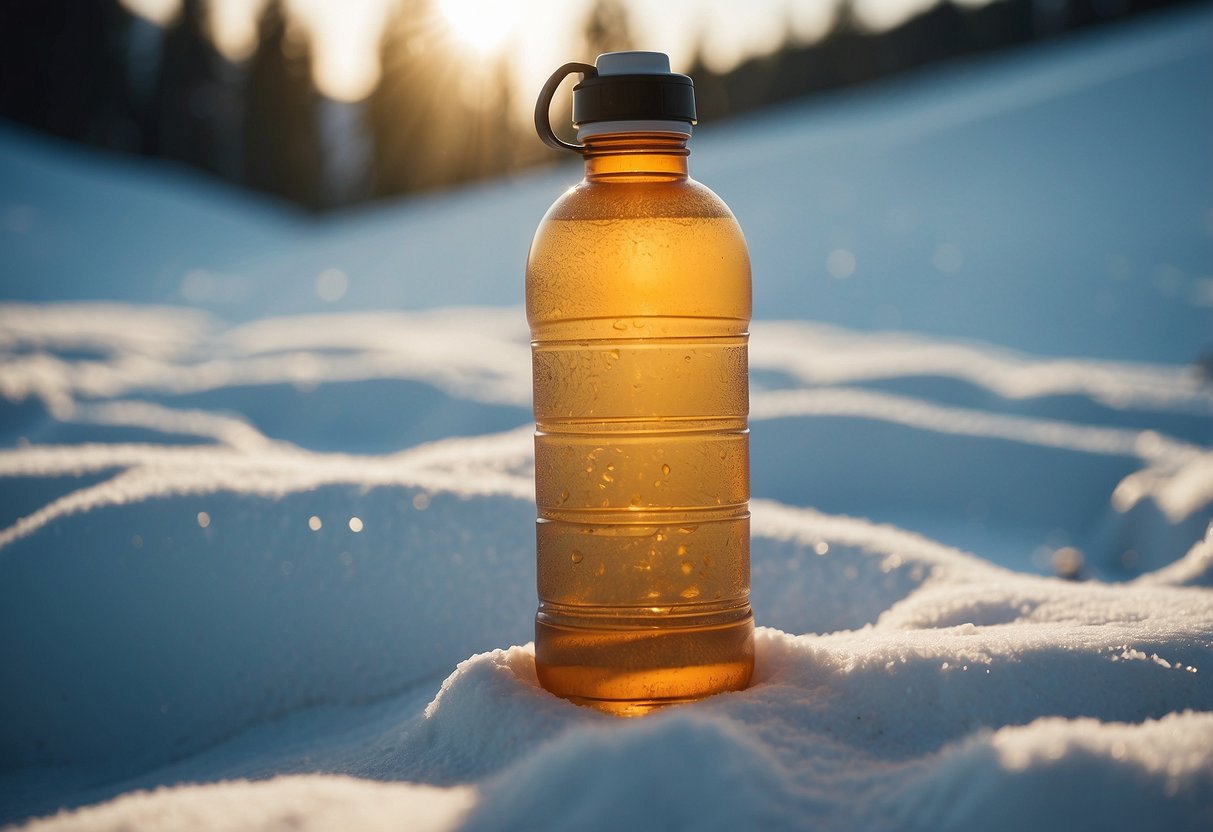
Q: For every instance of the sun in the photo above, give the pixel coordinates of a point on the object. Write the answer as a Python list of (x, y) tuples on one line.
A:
[(485, 25)]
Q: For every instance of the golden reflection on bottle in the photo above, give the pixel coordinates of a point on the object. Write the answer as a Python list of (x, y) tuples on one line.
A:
[(638, 297)]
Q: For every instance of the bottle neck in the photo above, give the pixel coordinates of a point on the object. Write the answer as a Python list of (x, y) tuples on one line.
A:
[(627, 157)]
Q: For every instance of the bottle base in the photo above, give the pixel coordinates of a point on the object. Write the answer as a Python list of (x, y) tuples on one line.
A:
[(629, 708), (626, 669)]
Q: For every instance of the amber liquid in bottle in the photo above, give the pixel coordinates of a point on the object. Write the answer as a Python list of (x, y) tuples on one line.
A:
[(638, 298)]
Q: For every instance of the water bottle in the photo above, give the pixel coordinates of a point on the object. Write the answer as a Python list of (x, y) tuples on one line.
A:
[(638, 298)]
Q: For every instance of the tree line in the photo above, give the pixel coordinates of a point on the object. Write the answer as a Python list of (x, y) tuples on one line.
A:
[(89, 71)]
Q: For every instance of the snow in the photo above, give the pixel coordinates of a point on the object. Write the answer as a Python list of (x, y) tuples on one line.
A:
[(266, 539)]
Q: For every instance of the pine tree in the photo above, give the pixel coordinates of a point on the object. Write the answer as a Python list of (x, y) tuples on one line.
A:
[(63, 69), (607, 29), (402, 104), (182, 116), (281, 141)]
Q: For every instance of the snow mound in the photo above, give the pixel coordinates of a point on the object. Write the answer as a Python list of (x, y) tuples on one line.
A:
[(297, 804)]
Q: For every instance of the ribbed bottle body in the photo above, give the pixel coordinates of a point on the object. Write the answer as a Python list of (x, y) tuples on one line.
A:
[(638, 297)]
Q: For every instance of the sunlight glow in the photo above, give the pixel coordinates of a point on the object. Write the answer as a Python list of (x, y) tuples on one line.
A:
[(485, 25), (346, 63), (160, 12), (233, 25), (880, 15)]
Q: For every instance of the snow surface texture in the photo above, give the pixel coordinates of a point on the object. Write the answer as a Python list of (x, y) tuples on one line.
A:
[(250, 531)]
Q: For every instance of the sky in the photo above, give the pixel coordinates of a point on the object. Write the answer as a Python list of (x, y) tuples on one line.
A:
[(538, 35)]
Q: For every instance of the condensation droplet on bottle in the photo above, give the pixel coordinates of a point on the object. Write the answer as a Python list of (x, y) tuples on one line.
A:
[(690, 592), (637, 499), (682, 549), (576, 557), (564, 496), (665, 470), (660, 537), (620, 325), (600, 570), (686, 567), (687, 529), (615, 354)]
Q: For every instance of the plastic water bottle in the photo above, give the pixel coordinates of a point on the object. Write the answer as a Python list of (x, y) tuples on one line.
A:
[(638, 298)]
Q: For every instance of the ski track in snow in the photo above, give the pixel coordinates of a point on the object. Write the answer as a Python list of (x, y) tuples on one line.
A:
[(481, 354)]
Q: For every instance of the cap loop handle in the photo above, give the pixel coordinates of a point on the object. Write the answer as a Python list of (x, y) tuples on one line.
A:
[(543, 124)]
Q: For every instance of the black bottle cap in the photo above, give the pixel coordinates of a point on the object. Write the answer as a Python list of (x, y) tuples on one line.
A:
[(669, 97), (636, 89)]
